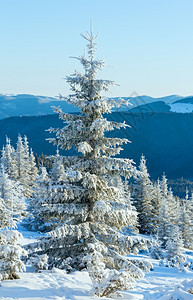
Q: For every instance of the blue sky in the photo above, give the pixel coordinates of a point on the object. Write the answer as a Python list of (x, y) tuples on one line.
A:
[(147, 44)]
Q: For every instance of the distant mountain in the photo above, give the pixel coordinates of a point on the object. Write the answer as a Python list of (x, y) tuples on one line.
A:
[(31, 105), (141, 101), (184, 105), (185, 100), (164, 138), (159, 129), (158, 106)]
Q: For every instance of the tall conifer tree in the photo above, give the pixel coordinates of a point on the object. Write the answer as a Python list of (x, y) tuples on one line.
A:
[(94, 208)]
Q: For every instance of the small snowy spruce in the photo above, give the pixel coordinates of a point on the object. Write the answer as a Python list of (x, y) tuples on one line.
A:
[(23, 166), (8, 160), (164, 223), (186, 222), (10, 254), (57, 169), (174, 247), (157, 203), (143, 195), (38, 214), (11, 192), (33, 173)]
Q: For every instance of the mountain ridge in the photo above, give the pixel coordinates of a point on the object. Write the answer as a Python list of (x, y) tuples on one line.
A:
[(164, 138), (35, 105)]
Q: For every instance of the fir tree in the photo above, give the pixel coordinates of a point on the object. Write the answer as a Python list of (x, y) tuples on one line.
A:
[(11, 192), (24, 166), (173, 207), (157, 203), (164, 223), (143, 194), (168, 215), (174, 247), (57, 170), (164, 186), (10, 254), (37, 208), (11, 209), (95, 210), (186, 223), (8, 160), (33, 173)]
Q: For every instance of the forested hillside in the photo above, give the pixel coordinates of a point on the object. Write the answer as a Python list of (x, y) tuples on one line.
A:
[(164, 138)]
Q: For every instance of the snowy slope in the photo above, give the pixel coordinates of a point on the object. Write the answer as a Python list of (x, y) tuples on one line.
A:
[(164, 104), (181, 107), (30, 105), (184, 105), (162, 283)]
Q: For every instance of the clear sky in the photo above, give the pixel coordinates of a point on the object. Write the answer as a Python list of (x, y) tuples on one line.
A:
[(147, 44)]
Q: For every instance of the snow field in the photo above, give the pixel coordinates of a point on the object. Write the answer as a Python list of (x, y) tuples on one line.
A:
[(181, 107), (161, 283)]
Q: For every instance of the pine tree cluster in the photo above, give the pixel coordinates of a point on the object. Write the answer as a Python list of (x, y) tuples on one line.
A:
[(17, 181), (162, 214)]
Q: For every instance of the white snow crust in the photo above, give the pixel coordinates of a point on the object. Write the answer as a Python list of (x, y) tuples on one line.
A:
[(181, 107), (161, 283)]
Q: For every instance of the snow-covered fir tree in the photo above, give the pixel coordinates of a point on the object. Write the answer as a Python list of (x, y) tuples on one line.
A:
[(57, 170), (37, 209), (33, 173), (10, 254), (22, 159), (164, 186), (11, 209), (157, 203), (143, 194), (173, 208), (94, 208), (26, 170), (174, 247), (186, 222), (166, 197), (164, 223), (26, 147), (8, 160), (12, 193), (167, 213)]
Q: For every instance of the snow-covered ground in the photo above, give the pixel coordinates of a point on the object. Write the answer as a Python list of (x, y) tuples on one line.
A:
[(181, 107), (161, 283)]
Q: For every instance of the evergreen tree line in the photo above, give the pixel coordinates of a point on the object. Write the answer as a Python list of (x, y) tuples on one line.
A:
[(88, 203), (163, 215), (17, 183), (180, 185), (38, 195)]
